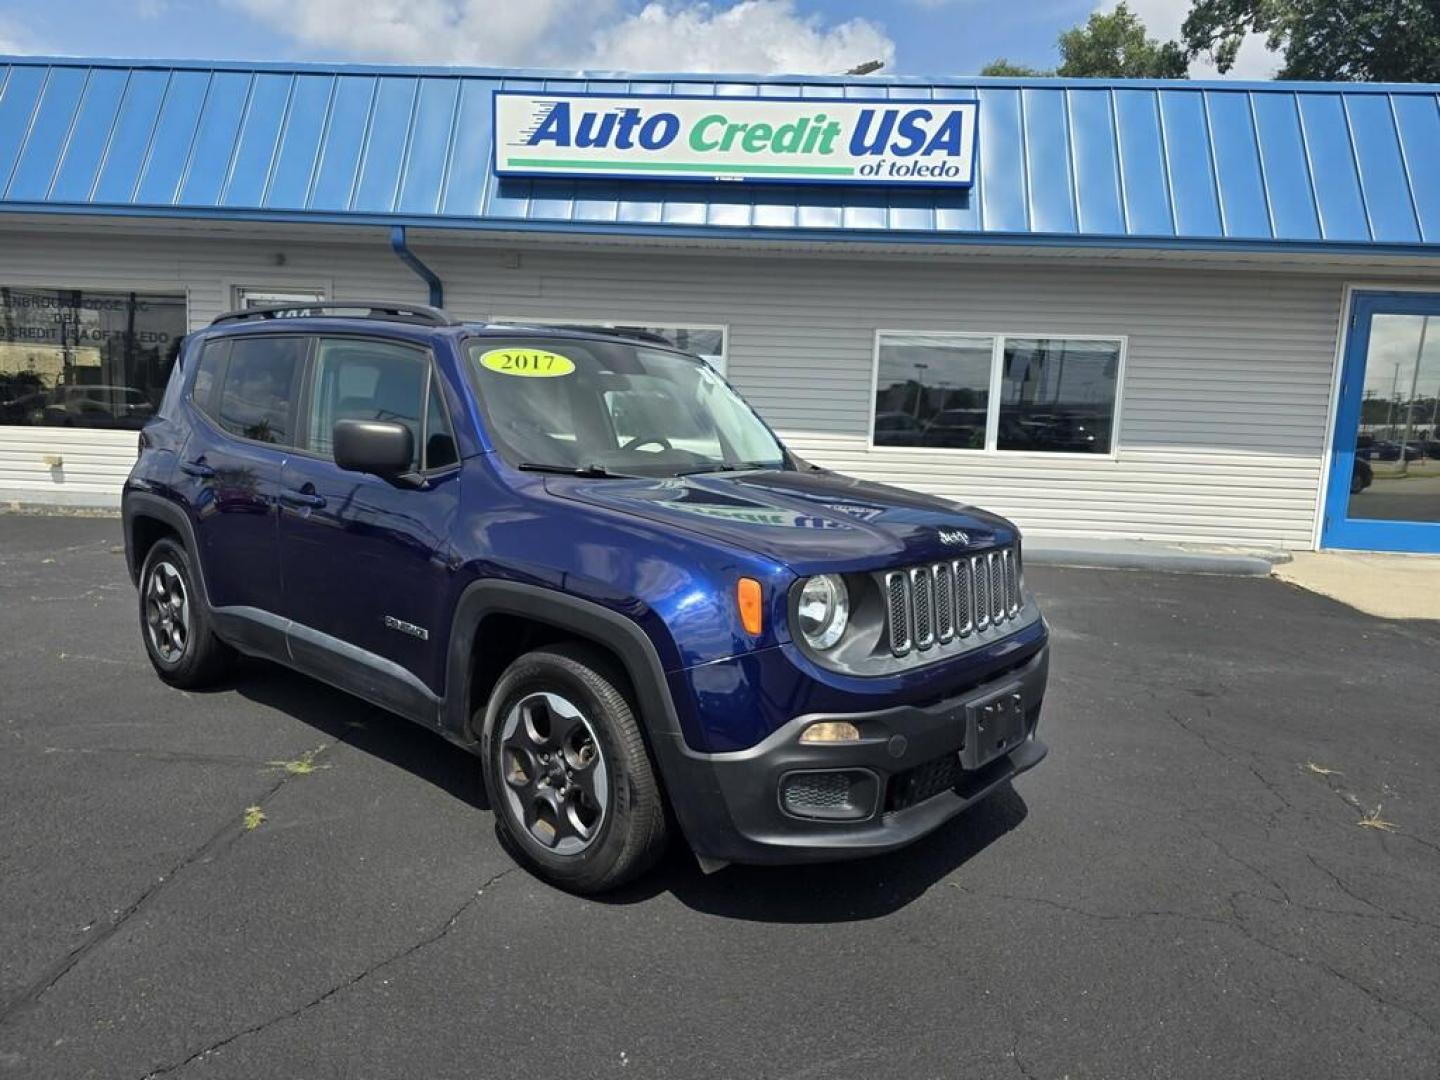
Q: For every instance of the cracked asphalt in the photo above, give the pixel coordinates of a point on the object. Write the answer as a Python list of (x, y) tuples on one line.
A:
[(1184, 888)]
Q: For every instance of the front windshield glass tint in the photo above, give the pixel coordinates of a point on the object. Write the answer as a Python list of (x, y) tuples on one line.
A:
[(618, 406)]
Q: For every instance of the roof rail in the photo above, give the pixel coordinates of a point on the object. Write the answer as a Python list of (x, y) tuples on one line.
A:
[(385, 310), (613, 331)]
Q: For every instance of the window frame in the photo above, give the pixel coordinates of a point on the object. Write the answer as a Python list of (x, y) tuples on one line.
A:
[(213, 418), (432, 375), (611, 324), (998, 338)]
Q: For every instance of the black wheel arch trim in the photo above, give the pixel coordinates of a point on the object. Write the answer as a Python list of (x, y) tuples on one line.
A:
[(686, 778), (142, 504)]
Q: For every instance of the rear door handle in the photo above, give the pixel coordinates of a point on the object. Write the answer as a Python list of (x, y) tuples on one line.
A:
[(301, 498), (196, 468)]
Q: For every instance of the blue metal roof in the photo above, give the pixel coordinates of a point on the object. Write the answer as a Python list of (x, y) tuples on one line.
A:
[(1141, 163)]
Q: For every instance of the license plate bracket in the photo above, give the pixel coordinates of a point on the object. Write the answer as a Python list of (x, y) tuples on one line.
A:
[(994, 726)]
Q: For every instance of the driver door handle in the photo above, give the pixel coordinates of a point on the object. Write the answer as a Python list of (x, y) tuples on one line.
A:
[(301, 498)]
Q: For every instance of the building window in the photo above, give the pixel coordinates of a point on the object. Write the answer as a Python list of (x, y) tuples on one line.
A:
[(246, 298), (85, 358), (995, 392), (707, 342)]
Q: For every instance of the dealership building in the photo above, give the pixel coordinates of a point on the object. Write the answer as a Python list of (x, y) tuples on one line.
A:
[(1129, 310)]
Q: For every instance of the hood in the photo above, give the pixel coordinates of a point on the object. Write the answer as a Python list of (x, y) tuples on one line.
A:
[(810, 521)]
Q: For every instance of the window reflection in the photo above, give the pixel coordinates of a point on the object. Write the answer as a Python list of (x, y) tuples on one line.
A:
[(82, 358), (1058, 394), (933, 391), (1396, 472)]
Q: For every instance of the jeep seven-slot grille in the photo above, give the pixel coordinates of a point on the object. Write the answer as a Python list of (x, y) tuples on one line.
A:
[(939, 602)]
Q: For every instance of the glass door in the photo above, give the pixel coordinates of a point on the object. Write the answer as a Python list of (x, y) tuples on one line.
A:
[(1383, 492)]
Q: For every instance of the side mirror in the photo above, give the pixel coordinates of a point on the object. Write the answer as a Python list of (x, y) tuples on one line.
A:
[(373, 446)]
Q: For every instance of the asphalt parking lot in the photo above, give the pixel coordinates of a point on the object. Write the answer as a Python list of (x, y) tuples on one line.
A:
[(1184, 888)]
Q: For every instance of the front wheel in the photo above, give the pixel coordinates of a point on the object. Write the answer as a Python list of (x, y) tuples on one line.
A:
[(574, 794)]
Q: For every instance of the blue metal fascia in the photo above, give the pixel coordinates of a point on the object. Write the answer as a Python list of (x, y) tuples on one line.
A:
[(835, 236), (399, 245)]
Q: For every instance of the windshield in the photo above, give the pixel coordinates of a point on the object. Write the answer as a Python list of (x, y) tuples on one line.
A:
[(613, 407)]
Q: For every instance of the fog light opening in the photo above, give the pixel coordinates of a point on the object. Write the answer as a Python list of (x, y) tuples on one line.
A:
[(831, 731)]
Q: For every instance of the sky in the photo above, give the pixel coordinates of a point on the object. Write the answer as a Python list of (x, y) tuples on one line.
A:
[(912, 37)]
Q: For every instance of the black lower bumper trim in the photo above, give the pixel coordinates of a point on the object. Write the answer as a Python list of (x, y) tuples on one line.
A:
[(734, 813)]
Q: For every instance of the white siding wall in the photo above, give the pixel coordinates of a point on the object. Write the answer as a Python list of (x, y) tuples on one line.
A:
[(1228, 374)]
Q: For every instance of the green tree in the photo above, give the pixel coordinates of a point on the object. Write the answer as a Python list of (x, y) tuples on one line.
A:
[(1116, 46), (1351, 40), (1113, 46), (1003, 66)]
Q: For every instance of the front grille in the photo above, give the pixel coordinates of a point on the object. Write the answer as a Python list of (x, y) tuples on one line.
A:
[(938, 602)]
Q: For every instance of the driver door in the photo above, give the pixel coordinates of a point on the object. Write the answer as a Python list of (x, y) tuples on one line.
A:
[(364, 559)]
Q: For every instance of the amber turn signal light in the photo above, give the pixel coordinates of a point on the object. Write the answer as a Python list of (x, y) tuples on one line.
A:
[(831, 731), (747, 595)]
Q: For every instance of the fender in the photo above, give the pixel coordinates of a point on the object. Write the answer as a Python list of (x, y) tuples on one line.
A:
[(138, 504), (584, 618), (686, 776)]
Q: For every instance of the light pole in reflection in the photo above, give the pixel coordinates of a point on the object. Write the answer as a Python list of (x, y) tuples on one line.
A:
[(920, 387), (1410, 404)]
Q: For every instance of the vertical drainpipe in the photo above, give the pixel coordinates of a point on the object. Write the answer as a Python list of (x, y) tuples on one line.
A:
[(410, 259)]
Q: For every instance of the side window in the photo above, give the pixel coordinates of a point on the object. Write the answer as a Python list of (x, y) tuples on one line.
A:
[(366, 380), (440, 449), (258, 397), (207, 373)]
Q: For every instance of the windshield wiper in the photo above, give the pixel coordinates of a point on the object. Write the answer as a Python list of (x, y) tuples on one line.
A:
[(575, 470), (732, 466)]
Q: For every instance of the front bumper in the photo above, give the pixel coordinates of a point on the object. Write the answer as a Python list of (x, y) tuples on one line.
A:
[(730, 805)]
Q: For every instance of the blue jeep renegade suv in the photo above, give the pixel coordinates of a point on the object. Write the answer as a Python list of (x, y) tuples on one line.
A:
[(583, 558)]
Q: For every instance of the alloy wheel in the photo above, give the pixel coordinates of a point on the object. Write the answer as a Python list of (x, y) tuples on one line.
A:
[(556, 784), (167, 612)]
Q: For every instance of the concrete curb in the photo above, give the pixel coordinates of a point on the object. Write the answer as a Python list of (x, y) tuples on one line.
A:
[(1157, 560)]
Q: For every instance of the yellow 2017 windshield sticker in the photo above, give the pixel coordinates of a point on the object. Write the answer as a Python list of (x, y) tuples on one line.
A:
[(529, 363)]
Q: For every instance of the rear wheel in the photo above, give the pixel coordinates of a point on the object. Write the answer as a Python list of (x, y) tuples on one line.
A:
[(572, 787), (175, 623)]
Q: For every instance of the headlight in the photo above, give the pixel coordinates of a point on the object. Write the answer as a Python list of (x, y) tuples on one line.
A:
[(824, 610)]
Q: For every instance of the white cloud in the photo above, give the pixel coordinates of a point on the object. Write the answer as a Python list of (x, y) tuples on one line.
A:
[(1162, 19), (748, 35)]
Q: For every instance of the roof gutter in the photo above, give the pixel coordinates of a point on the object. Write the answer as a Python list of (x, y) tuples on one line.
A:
[(409, 258)]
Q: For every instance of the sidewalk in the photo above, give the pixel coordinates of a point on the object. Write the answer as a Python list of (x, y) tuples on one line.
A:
[(1387, 586)]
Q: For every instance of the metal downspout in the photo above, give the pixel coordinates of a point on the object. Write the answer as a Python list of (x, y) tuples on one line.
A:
[(410, 259)]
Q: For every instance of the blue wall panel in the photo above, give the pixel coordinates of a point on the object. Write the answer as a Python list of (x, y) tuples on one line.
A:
[(172, 138), (258, 140), (1143, 174), (1189, 164), (1048, 173), (1129, 162), (379, 180), (89, 137), (1244, 205), (1418, 117), (343, 143), (1382, 169), (1287, 179), (289, 182), (48, 135), (470, 155), (208, 166), (1332, 168), (435, 116), (1097, 162), (130, 139), (18, 97), (1000, 167)]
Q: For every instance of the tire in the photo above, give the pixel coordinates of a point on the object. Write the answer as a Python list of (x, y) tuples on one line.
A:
[(191, 657), (593, 817)]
